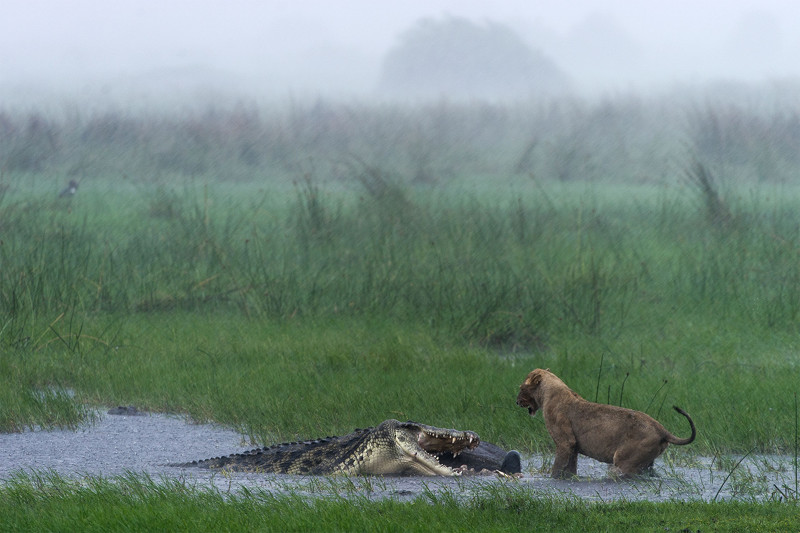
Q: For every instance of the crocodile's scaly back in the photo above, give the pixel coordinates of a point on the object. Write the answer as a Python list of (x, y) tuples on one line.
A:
[(314, 457)]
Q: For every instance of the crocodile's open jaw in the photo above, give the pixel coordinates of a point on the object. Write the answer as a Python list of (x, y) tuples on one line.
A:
[(432, 442)]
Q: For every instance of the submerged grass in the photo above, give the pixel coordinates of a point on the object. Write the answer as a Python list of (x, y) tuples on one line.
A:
[(46, 502)]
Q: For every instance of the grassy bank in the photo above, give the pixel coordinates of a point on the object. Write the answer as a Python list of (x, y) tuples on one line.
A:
[(300, 380)]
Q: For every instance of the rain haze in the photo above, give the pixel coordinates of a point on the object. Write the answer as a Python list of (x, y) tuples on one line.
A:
[(277, 49)]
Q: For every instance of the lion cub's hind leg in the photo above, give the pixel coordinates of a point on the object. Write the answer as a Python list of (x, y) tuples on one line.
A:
[(630, 461)]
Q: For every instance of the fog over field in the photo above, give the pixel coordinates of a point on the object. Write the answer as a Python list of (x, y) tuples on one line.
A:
[(137, 50)]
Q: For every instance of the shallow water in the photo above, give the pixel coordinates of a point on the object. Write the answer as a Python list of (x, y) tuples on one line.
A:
[(117, 445)]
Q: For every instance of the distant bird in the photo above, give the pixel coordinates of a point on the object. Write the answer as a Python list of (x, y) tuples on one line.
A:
[(70, 190)]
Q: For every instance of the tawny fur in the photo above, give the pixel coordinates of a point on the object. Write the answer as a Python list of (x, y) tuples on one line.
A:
[(626, 439)]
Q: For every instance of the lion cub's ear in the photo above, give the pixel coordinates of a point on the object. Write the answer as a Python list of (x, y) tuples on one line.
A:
[(534, 378)]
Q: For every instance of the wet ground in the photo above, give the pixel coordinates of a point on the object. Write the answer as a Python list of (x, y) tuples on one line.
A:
[(120, 444)]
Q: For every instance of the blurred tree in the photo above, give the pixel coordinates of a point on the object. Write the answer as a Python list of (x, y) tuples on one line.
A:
[(459, 58)]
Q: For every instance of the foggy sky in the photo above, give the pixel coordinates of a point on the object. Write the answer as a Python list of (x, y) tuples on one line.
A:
[(312, 47)]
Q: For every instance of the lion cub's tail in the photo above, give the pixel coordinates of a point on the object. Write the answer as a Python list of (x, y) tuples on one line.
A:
[(672, 439)]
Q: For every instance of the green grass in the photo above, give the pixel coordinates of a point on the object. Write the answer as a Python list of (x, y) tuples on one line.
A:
[(44, 502)]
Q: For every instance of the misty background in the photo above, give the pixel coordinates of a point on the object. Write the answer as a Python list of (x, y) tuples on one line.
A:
[(129, 52), (384, 95)]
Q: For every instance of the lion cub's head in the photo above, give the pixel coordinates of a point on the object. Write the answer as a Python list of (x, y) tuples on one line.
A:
[(529, 389)]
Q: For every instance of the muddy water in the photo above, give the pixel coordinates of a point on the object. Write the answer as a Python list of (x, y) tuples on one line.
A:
[(117, 445)]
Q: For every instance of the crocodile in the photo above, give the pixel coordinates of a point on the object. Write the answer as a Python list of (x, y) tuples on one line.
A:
[(390, 448)]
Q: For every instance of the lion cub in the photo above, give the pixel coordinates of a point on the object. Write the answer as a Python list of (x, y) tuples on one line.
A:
[(626, 439)]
